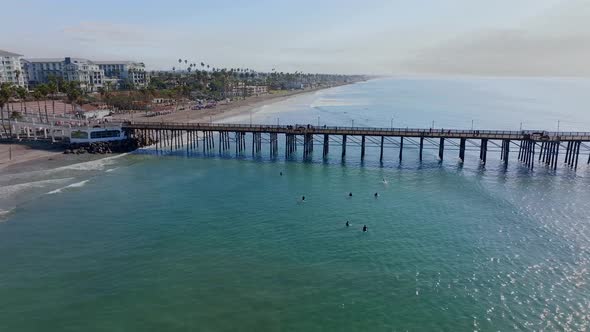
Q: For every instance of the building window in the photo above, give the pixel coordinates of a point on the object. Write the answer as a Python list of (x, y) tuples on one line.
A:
[(105, 134)]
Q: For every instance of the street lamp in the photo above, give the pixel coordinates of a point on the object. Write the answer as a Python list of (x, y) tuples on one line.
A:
[(391, 122), (318, 120), (352, 123)]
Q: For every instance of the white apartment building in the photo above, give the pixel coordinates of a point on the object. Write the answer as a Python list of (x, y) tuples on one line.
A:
[(128, 72), (84, 71), (11, 70), (89, 75), (241, 89)]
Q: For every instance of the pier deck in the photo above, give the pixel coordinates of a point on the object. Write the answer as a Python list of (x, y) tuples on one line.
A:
[(531, 144)]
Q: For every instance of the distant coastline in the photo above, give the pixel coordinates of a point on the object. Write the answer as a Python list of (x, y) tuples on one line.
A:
[(231, 109)]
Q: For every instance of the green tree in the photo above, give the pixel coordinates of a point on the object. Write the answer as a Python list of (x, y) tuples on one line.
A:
[(6, 91), (73, 93), (22, 94)]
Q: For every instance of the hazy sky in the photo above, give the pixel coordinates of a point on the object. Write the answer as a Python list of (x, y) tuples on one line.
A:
[(452, 37)]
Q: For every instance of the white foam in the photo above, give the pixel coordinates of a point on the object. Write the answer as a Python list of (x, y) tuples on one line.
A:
[(328, 102), (4, 214), (73, 185), (7, 191), (94, 165)]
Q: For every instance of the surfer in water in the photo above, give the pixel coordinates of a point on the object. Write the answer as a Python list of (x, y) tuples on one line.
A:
[(384, 181), (365, 228), (347, 223), (302, 198), (349, 194), (376, 195)]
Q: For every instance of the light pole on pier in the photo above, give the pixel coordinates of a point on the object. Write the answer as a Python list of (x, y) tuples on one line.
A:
[(557, 126), (318, 120), (391, 125), (521, 126), (471, 124), (352, 123), (277, 121)]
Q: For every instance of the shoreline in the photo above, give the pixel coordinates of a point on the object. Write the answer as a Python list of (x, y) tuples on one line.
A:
[(43, 155), (224, 111)]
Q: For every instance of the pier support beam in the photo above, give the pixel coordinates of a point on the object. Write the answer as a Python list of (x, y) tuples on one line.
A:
[(381, 153), (307, 145), (363, 147), (568, 153), (421, 146), (506, 152), (483, 150), (343, 146), (578, 143), (326, 145), (274, 145), (441, 149), (462, 149), (401, 148)]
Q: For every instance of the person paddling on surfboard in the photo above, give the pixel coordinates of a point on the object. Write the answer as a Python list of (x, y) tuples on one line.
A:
[(347, 223), (365, 228)]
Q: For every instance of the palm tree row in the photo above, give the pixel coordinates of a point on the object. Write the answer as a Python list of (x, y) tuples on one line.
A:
[(40, 92)]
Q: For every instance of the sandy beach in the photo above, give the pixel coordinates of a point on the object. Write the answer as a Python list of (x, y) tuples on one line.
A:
[(221, 111)]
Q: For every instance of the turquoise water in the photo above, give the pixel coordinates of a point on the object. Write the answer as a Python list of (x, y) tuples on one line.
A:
[(219, 243)]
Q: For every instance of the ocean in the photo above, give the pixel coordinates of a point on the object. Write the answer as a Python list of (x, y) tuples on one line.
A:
[(154, 242)]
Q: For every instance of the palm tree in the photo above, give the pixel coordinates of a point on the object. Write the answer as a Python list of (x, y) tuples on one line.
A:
[(17, 73), (44, 89), (73, 93), (38, 94), (52, 87), (22, 95), (5, 94)]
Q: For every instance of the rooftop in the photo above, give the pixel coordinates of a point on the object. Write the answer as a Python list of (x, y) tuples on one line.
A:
[(46, 60), (115, 62), (6, 53)]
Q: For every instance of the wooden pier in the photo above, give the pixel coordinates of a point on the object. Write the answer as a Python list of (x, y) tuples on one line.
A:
[(534, 146)]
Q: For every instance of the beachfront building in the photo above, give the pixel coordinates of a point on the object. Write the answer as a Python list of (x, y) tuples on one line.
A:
[(129, 73), (11, 70), (91, 74), (39, 71), (241, 89), (84, 71)]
